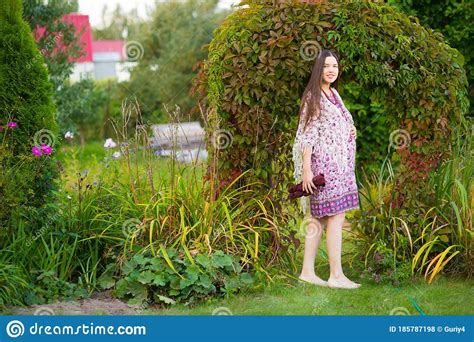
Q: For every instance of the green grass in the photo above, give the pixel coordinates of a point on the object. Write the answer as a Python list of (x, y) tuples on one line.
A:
[(92, 157), (443, 297)]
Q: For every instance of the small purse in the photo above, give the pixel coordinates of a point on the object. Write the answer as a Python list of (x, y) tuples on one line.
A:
[(297, 191)]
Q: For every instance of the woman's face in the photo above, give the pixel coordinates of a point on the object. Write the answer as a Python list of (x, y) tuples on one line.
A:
[(330, 70)]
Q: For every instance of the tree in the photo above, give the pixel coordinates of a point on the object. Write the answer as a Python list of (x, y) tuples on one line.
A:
[(26, 100), (120, 26), (261, 58), (79, 106), (48, 15), (169, 47)]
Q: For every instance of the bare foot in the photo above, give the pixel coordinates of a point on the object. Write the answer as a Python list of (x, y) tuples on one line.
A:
[(314, 279), (342, 282)]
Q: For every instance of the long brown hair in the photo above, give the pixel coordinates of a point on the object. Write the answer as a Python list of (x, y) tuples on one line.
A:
[(314, 87)]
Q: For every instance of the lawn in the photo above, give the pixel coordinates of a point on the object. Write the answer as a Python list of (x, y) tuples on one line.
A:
[(443, 297), (98, 160), (288, 297)]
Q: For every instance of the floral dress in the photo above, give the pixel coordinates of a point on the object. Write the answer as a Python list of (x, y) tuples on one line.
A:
[(333, 154)]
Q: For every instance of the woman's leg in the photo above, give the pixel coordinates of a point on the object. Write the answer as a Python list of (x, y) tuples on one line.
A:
[(334, 245), (313, 228)]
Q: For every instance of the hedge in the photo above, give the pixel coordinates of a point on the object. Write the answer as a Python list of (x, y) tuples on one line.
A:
[(26, 181), (258, 66)]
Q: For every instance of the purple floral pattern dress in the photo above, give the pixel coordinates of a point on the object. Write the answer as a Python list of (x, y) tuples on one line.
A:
[(333, 154)]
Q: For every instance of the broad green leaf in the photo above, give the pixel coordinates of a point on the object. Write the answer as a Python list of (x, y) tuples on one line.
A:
[(146, 277), (219, 259), (164, 299)]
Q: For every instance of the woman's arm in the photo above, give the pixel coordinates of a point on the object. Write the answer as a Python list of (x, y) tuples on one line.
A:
[(308, 175), (306, 139)]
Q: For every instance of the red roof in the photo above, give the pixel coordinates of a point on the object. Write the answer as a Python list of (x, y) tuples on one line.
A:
[(109, 46), (83, 27)]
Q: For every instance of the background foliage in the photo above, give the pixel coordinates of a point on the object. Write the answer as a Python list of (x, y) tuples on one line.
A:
[(47, 15), (454, 20), (172, 44)]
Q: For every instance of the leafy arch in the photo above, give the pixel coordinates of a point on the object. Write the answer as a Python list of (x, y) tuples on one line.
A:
[(255, 73)]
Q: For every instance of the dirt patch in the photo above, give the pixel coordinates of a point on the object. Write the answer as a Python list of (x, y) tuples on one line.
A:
[(100, 303)]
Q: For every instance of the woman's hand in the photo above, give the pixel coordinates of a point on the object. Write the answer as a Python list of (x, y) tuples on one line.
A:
[(353, 133), (308, 184), (307, 181)]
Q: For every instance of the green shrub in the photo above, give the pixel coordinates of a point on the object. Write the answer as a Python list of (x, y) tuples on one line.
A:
[(254, 77), (13, 283), (47, 288), (372, 126), (79, 108), (172, 277), (433, 238), (26, 99), (454, 20)]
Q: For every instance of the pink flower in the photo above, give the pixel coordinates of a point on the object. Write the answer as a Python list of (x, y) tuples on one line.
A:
[(47, 149), (11, 124), (36, 151)]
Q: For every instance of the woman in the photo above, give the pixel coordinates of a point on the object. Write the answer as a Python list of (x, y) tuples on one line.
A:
[(325, 143)]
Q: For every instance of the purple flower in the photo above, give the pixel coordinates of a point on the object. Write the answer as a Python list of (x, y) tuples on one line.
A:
[(11, 124), (47, 149), (36, 151)]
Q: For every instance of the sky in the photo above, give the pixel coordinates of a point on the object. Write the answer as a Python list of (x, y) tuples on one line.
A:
[(93, 8)]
